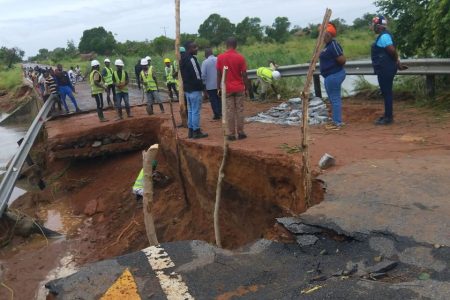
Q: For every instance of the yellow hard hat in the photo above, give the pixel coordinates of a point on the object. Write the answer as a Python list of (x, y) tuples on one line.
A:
[(166, 60)]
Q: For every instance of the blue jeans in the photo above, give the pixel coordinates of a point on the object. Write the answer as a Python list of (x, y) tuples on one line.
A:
[(126, 101), (216, 104), (194, 100), (64, 91), (333, 83), (386, 81)]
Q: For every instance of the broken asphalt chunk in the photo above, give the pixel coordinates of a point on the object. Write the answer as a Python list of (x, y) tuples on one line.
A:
[(382, 267), (295, 226), (306, 240), (327, 161)]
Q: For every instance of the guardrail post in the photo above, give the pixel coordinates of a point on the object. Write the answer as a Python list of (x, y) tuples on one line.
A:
[(431, 85), (317, 88)]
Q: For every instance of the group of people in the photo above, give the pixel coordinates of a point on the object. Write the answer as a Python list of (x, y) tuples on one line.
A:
[(385, 61)]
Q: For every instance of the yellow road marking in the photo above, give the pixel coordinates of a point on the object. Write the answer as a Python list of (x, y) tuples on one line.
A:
[(124, 288)]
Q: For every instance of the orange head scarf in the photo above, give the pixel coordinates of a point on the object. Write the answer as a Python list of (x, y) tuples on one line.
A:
[(332, 29)]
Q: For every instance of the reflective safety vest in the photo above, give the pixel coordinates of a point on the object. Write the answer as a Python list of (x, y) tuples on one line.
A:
[(265, 74), (148, 81), (94, 88), (121, 81), (169, 74), (109, 76), (139, 183)]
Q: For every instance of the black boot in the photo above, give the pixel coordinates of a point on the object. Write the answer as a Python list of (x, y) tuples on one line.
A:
[(191, 133), (198, 134), (384, 121), (119, 114), (128, 112), (161, 106), (100, 115), (150, 109)]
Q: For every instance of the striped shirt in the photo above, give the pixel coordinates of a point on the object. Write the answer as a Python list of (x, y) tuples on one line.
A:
[(51, 85)]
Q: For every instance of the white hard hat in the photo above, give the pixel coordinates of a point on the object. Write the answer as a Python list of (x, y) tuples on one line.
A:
[(107, 60), (148, 58), (276, 75), (95, 63), (118, 62), (144, 62)]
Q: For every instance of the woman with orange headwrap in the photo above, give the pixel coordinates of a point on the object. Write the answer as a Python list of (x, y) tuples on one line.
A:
[(332, 61)]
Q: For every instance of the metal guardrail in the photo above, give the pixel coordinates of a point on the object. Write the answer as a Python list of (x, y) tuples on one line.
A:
[(426, 66), (11, 175)]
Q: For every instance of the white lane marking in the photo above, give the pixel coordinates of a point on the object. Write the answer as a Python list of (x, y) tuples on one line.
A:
[(172, 284)]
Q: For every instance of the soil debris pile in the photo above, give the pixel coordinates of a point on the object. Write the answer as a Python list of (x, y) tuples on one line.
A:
[(290, 113)]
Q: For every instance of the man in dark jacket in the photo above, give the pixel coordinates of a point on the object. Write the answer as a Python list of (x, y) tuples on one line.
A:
[(65, 87), (193, 87), (137, 72)]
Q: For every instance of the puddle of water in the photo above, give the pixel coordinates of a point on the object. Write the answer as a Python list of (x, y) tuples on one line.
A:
[(8, 143), (54, 220), (16, 193)]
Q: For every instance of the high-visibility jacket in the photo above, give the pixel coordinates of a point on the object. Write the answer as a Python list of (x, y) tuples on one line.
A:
[(148, 81), (109, 76), (94, 88), (122, 81), (139, 183), (265, 74), (169, 74)]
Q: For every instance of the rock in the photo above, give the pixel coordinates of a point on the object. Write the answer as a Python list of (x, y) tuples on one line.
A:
[(437, 246), (91, 208), (306, 240), (350, 271), (106, 141), (124, 135), (327, 161), (382, 267), (375, 276), (378, 258), (324, 252), (424, 276), (96, 144), (295, 226)]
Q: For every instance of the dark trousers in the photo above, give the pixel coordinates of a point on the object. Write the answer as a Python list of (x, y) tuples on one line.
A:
[(216, 104), (386, 81), (172, 87), (111, 88), (98, 100)]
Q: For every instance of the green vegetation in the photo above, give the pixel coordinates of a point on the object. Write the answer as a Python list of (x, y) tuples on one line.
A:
[(10, 78), (10, 56)]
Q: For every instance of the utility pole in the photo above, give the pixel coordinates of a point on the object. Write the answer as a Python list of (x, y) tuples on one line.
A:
[(164, 28)]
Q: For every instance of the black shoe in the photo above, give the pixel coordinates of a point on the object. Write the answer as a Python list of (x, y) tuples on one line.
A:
[(231, 138), (384, 121), (191, 133), (242, 136), (198, 134)]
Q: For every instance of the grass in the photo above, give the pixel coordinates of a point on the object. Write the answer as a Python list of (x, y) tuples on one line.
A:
[(10, 79)]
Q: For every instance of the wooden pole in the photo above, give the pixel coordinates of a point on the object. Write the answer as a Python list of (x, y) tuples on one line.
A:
[(306, 165), (224, 160), (183, 107), (148, 157)]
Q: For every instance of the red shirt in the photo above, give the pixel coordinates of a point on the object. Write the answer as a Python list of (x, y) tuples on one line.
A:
[(236, 65)]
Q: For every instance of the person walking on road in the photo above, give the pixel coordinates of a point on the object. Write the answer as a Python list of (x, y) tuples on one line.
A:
[(97, 88), (332, 61), (266, 77), (235, 83), (107, 74), (121, 80), (137, 72), (150, 86), (209, 77), (171, 79), (193, 87), (385, 62), (65, 88)]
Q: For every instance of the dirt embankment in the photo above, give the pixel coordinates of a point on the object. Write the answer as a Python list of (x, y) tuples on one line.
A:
[(10, 101)]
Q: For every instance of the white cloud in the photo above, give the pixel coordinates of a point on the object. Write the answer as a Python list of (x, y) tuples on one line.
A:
[(32, 25)]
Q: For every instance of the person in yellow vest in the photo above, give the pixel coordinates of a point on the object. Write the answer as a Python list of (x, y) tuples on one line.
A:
[(97, 88), (266, 77), (148, 81), (121, 80), (159, 180), (107, 74), (171, 81)]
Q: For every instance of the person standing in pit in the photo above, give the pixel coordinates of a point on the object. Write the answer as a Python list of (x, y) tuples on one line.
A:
[(97, 88), (107, 74), (65, 88), (235, 83), (121, 80), (148, 80), (332, 61), (209, 77), (171, 79)]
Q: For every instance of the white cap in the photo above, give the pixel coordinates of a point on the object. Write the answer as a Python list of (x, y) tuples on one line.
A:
[(95, 63), (144, 62), (148, 58), (107, 60), (276, 75), (118, 62)]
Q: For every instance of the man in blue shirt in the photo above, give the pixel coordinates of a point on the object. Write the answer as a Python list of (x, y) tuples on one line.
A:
[(209, 77), (65, 87)]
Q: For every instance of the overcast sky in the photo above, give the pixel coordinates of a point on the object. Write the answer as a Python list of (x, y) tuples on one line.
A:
[(35, 24)]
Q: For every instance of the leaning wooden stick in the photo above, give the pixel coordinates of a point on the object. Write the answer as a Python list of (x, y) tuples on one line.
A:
[(306, 166), (183, 107), (148, 157), (224, 160)]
